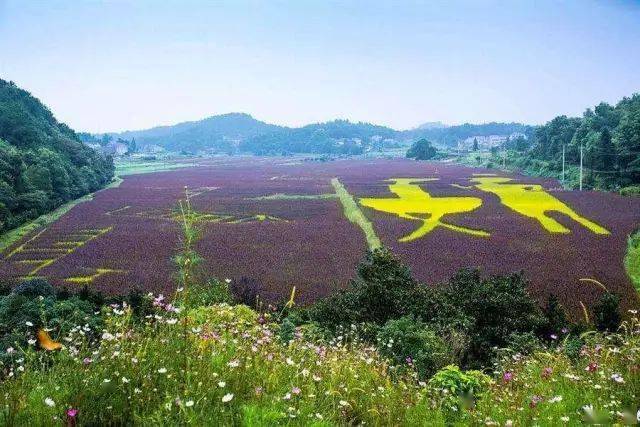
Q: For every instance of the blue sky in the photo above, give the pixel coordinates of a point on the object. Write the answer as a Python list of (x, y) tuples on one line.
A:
[(107, 66)]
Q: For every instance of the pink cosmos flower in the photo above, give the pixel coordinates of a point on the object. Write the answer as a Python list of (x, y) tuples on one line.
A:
[(508, 376)]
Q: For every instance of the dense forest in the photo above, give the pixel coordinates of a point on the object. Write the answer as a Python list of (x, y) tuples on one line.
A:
[(609, 137), (335, 137), (43, 164), (450, 135)]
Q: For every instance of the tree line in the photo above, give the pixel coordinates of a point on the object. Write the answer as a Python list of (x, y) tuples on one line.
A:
[(43, 163), (610, 139)]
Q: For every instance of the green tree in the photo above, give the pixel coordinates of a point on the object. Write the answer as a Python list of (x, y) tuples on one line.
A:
[(422, 150)]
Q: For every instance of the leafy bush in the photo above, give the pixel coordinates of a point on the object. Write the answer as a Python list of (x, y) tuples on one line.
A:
[(523, 343), (606, 313), (383, 290), (34, 288), (212, 292), (499, 307), (21, 316), (632, 190), (247, 291), (555, 318), (458, 389), (408, 341), (472, 313)]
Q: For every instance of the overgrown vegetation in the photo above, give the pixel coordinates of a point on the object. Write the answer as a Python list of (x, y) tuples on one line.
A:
[(610, 140), (386, 351), (632, 259), (43, 164)]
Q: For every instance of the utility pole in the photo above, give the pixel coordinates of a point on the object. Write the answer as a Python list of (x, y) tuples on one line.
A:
[(580, 167), (563, 164)]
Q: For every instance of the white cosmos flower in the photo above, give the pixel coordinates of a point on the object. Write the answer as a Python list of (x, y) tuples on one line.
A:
[(49, 402), (189, 403), (162, 370), (227, 397)]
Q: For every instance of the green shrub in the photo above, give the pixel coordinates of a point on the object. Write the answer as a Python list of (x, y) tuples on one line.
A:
[(457, 389), (523, 343), (383, 290), (498, 306), (408, 341), (34, 288), (607, 314), (21, 316), (572, 347), (212, 292), (555, 318), (632, 190)]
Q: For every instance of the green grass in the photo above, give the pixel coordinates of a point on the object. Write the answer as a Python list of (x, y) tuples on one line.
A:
[(632, 259), (281, 196), (226, 365), (137, 167), (355, 215)]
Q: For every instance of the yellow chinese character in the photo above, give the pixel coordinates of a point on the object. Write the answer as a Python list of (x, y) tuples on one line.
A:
[(416, 204), (533, 201)]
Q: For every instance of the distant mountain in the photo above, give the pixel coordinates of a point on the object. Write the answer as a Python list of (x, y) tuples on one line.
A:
[(222, 133), (239, 132), (335, 137), (432, 125), (43, 163)]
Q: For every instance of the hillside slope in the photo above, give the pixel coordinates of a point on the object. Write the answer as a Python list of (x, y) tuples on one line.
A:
[(43, 164), (221, 132), (336, 137)]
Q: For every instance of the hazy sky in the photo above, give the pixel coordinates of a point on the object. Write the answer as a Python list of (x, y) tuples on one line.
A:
[(115, 65)]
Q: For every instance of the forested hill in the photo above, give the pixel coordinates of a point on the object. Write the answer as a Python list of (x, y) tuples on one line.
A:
[(450, 135), (43, 164), (239, 132), (336, 137), (610, 139), (220, 133)]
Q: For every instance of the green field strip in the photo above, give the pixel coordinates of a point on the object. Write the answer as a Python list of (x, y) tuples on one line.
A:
[(282, 196), (632, 259), (355, 214)]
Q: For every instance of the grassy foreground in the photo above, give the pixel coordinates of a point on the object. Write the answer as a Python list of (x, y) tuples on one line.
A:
[(228, 365), (632, 259)]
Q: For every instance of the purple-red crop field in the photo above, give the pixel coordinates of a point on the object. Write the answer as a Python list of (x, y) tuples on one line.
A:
[(279, 223)]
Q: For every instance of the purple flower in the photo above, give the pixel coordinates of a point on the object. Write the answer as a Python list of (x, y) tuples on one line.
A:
[(87, 360), (535, 400), (508, 376), (72, 412), (296, 390)]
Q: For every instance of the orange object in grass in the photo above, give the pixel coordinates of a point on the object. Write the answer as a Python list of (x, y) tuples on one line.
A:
[(45, 341)]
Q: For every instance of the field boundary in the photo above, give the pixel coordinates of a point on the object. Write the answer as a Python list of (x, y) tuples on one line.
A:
[(9, 238), (632, 259), (355, 215)]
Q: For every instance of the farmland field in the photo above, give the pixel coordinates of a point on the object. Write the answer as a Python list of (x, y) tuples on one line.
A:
[(274, 223)]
